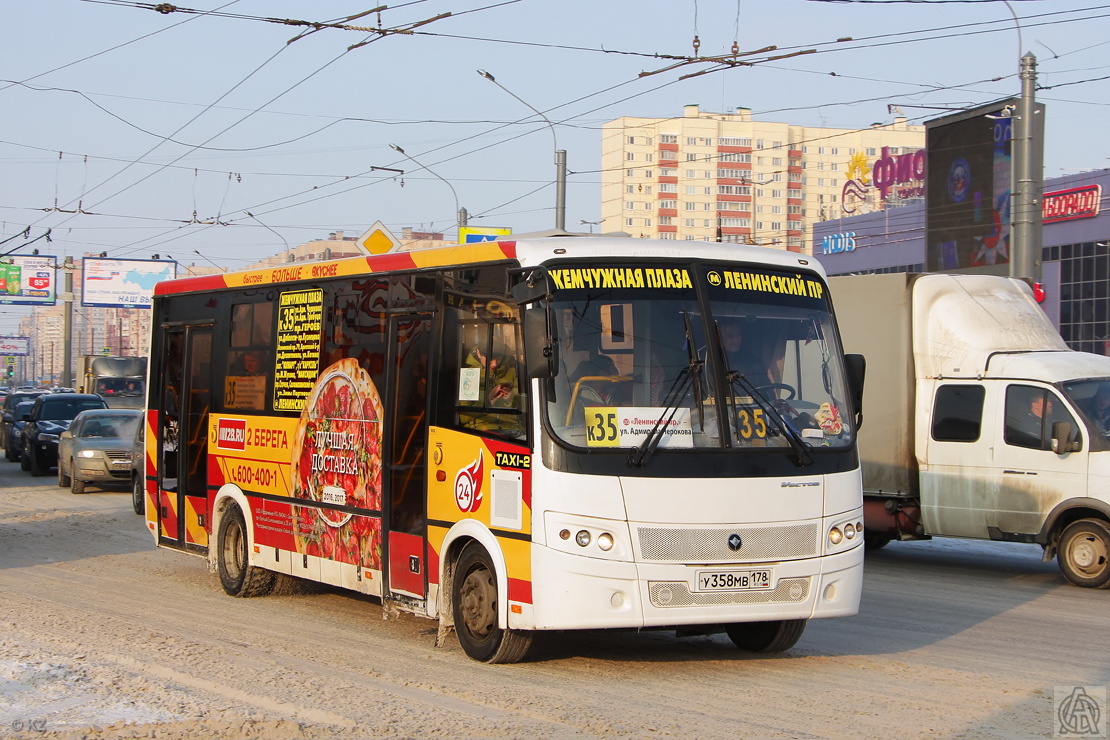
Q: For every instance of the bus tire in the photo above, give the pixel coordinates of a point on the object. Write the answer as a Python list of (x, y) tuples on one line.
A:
[(237, 576), (1084, 553), (474, 603), (766, 637), (138, 495)]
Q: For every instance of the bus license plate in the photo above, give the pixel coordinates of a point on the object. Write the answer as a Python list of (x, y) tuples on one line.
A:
[(732, 580)]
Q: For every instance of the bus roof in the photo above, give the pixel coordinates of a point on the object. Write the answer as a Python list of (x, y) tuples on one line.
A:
[(526, 251)]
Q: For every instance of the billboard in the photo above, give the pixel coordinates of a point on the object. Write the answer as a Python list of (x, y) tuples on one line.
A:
[(28, 280), (116, 283), (970, 155), (15, 346)]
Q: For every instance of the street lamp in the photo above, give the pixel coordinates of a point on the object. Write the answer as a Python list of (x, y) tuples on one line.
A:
[(560, 157), (461, 212)]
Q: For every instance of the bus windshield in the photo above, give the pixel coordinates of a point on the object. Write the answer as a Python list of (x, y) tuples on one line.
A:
[(756, 366)]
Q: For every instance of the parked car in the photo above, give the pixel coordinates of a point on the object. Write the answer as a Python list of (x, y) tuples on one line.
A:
[(138, 468), (12, 423), (6, 419), (50, 416), (97, 448)]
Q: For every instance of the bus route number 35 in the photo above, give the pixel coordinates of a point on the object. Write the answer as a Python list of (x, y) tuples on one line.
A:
[(601, 428)]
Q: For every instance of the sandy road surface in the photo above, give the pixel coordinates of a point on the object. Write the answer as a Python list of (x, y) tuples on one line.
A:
[(102, 635)]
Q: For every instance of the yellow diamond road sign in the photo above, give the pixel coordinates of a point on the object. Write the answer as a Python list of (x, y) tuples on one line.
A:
[(379, 240)]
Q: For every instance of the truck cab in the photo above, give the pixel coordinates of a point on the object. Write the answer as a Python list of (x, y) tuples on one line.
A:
[(981, 423)]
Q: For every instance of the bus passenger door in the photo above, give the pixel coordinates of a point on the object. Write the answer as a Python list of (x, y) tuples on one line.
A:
[(183, 438), (406, 465)]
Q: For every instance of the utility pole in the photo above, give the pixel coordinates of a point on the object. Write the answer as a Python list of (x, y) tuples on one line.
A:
[(67, 325), (1027, 221), (561, 189)]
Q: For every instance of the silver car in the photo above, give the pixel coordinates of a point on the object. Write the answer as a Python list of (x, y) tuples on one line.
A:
[(97, 448)]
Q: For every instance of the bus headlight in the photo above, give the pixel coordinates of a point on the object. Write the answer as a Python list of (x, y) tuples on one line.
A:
[(605, 541), (582, 538), (849, 530), (835, 535)]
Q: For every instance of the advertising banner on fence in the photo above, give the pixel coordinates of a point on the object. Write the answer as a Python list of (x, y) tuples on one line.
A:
[(122, 283), (27, 281)]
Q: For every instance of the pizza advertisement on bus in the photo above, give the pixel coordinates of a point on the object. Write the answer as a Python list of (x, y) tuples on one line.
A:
[(337, 465)]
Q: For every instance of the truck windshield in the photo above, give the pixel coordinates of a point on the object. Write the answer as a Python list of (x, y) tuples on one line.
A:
[(640, 357), (119, 387), (1092, 397)]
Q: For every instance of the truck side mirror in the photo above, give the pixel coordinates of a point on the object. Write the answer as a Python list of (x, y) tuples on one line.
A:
[(1062, 443), (542, 355), (856, 365)]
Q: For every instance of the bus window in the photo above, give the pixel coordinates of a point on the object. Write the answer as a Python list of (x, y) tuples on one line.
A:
[(248, 362)]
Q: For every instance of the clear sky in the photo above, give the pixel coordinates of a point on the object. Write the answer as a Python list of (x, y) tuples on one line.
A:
[(222, 138)]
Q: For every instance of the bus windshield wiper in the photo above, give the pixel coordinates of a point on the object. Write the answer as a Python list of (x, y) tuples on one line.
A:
[(638, 457), (801, 449)]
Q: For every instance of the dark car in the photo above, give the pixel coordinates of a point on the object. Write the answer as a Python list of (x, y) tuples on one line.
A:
[(97, 448), (50, 416), (13, 424), (6, 419)]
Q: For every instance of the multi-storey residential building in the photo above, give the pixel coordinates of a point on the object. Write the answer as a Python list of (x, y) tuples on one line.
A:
[(723, 176)]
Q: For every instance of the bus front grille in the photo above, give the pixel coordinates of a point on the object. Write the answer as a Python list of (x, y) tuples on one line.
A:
[(677, 593), (711, 545)]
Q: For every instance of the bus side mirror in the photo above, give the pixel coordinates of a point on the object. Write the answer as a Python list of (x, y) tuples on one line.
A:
[(542, 355), (1062, 443), (856, 365)]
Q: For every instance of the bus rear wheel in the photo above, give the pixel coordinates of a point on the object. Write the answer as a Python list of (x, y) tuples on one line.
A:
[(474, 603), (237, 576), (1084, 553), (766, 637)]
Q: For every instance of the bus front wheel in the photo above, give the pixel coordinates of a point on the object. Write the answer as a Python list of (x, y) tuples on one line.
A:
[(237, 576), (766, 637), (475, 600)]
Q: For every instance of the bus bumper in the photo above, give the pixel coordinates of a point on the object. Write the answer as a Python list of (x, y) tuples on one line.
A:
[(589, 593)]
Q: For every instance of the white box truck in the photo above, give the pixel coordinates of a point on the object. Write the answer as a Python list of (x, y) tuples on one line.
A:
[(120, 381), (979, 421)]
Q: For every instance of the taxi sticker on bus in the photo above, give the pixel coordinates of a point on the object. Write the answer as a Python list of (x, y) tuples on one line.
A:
[(629, 426)]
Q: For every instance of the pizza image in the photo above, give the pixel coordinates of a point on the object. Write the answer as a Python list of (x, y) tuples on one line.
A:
[(337, 462)]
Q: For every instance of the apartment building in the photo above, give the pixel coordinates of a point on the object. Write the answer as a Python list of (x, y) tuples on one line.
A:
[(722, 176)]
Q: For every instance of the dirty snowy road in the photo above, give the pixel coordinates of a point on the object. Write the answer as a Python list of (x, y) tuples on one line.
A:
[(102, 635)]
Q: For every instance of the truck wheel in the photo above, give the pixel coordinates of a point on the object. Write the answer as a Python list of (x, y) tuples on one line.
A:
[(876, 541), (474, 596), (138, 495), (766, 637), (63, 479), (237, 577), (1084, 553)]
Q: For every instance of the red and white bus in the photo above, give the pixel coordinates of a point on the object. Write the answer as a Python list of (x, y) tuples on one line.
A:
[(548, 434)]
